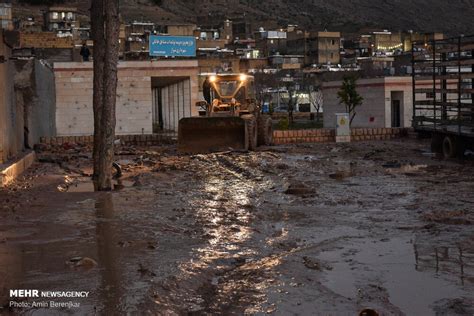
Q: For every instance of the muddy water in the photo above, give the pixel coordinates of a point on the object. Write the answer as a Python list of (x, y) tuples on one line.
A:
[(328, 229), (44, 254), (394, 265), (121, 234), (365, 241)]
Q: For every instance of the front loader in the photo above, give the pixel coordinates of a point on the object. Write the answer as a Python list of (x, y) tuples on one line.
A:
[(230, 118)]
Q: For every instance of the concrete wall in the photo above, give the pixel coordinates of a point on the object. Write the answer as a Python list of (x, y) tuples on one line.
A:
[(35, 96), (26, 103), (370, 114), (74, 88), (11, 116), (43, 122), (376, 110), (58, 54)]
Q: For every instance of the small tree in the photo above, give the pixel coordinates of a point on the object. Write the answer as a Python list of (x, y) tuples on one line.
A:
[(316, 101), (349, 96), (292, 101)]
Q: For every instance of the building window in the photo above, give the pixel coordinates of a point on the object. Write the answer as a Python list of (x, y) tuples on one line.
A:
[(54, 15)]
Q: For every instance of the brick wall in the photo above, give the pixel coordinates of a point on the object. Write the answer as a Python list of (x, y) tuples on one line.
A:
[(328, 135), (280, 137), (296, 115), (127, 140), (304, 136), (45, 40)]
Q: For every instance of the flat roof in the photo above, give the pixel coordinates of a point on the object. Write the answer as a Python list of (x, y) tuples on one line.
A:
[(70, 9), (287, 56)]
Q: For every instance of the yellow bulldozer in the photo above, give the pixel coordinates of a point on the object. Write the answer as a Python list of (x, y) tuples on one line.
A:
[(229, 119)]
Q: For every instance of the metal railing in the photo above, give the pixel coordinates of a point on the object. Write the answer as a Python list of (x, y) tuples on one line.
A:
[(443, 85)]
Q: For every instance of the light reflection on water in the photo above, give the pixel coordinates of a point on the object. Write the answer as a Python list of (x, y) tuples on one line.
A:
[(230, 258), (228, 221)]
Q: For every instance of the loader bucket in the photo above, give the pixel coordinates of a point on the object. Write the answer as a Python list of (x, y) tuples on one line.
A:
[(211, 134)]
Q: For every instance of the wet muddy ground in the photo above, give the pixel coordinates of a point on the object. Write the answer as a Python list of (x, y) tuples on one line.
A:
[(305, 229)]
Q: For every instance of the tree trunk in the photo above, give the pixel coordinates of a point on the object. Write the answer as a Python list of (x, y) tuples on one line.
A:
[(106, 29), (353, 114), (98, 36)]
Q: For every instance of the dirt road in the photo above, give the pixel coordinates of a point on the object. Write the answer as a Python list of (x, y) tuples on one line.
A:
[(306, 229)]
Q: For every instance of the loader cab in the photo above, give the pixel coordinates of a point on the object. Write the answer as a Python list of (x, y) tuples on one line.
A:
[(230, 95)]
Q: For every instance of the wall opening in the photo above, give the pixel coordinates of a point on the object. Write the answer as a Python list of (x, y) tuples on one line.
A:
[(171, 102)]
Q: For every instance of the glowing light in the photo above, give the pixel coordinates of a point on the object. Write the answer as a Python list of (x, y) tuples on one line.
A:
[(212, 78), (243, 77), (379, 47)]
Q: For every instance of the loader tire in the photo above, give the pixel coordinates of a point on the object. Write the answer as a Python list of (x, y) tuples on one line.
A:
[(251, 131), (265, 130)]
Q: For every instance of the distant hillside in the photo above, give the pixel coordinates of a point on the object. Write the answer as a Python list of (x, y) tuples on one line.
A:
[(452, 17)]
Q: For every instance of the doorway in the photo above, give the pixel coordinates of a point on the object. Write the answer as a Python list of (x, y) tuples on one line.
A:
[(396, 115), (397, 109)]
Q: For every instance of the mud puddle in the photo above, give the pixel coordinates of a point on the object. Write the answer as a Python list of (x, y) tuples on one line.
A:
[(393, 265), (86, 185)]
